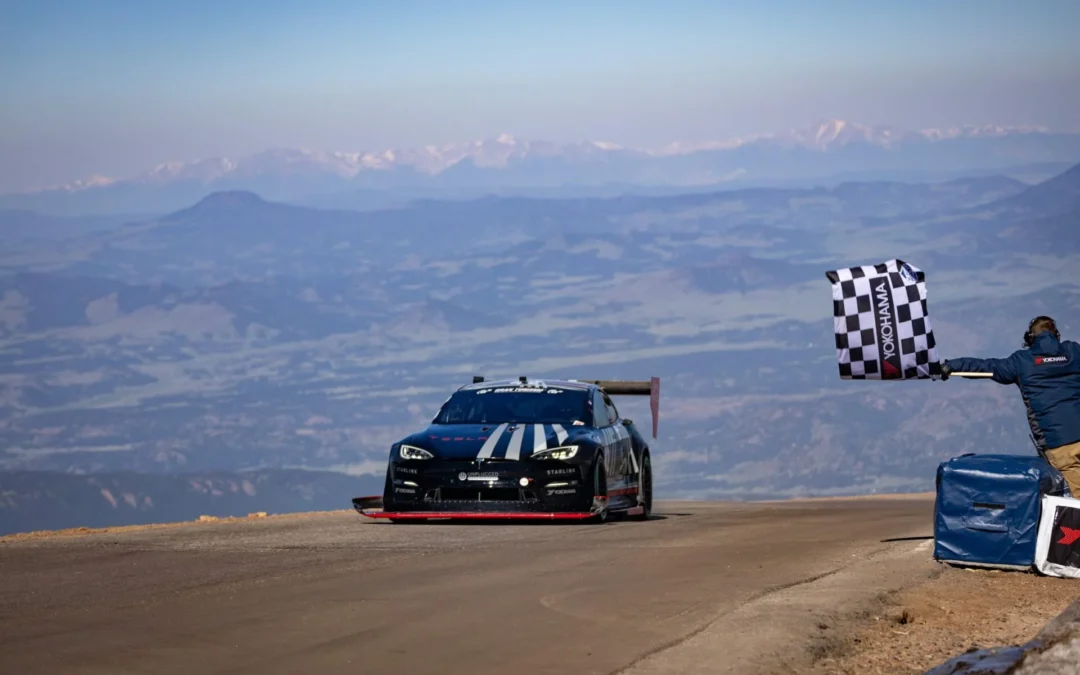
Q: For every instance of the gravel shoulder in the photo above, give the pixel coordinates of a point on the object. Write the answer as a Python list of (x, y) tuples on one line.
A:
[(913, 629)]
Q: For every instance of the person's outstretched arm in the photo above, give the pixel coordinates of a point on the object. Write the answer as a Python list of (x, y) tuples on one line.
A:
[(1004, 371)]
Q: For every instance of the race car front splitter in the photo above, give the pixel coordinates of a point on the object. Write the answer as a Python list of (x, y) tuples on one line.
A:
[(366, 506)]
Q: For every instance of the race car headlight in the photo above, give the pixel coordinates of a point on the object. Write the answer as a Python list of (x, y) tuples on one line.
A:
[(561, 452), (413, 452)]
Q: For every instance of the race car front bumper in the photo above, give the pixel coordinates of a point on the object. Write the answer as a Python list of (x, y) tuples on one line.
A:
[(492, 489), (366, 506)]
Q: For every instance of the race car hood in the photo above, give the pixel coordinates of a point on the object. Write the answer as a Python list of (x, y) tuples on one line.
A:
[(468, 441)]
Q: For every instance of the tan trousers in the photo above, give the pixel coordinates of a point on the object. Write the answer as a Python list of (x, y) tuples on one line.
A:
[(1066, 459)]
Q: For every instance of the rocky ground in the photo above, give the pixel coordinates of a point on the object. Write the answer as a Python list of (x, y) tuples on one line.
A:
[(915, 629)]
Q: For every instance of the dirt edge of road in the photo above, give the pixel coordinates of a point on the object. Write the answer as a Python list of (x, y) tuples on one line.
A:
[(793, 629), (90, 531), (262, 515), (913, 628), (898, 612)]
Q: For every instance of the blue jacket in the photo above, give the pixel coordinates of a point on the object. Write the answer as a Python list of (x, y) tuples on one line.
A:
[(1048, 375)]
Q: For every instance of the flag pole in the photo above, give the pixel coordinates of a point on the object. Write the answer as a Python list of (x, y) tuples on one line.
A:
[(954, 374)]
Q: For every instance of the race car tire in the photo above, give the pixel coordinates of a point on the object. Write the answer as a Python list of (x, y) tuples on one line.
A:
[(599, 489), (645, 488)]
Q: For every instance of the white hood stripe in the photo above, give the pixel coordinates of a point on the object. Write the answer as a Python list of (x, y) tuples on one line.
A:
[(560, 433), (514, 450), (540, 441), (491, 442)]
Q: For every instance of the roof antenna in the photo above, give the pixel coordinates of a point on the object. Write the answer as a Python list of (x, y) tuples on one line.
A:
[(477, 379)]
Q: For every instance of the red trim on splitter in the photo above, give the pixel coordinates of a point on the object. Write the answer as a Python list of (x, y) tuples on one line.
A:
[(424, 515)]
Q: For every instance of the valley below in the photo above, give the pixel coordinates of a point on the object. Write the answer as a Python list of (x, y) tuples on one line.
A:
[(243, 341)]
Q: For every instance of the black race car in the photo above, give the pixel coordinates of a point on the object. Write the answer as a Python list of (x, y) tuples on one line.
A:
[(523, 449)]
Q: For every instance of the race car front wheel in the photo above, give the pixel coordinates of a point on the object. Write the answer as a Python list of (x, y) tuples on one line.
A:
[(645, 488), (599, 488)]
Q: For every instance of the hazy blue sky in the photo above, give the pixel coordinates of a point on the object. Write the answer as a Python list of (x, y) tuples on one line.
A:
[(112, 87)]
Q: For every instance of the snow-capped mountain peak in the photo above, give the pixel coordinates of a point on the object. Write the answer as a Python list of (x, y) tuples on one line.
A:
[(830, 131), (606, 145), (985, 130), (505, 150)]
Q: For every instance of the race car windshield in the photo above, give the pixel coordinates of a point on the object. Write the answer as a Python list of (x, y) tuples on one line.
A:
[(524, 405)]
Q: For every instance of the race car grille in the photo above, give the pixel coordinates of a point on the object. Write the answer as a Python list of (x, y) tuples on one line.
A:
[(474, 494)]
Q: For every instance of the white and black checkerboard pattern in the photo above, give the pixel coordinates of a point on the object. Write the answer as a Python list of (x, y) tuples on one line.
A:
[(853, 318)]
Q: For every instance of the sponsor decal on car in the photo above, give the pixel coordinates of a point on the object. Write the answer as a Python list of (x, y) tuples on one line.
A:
[(526, 389), (478, 475)]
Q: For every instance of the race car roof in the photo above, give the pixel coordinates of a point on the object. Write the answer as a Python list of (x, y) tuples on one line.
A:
[(650, 388), (557, 384)]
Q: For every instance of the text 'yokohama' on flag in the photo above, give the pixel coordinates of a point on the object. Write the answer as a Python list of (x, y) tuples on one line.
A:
[(882, 323)]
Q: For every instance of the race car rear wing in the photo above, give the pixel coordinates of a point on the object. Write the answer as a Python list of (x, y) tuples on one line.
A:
[(650, 388)]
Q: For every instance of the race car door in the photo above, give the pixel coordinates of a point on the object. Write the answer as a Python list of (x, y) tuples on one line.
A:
[(616, 441)]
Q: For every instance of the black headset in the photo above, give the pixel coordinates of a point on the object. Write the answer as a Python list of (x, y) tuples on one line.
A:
[(1029, 338)]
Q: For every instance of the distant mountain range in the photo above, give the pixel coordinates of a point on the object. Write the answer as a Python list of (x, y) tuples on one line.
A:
[(831, 151), (243, 335)]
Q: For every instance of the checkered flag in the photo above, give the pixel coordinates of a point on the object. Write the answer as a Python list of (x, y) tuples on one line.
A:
[(882, 324)]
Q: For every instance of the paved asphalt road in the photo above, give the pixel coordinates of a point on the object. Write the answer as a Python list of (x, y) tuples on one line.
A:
[(337, 593)]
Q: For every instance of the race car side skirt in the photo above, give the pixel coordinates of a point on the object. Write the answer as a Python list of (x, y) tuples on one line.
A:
[(365, 506)]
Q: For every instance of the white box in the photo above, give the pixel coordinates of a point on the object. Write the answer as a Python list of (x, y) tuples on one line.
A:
[(1057, 547)]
